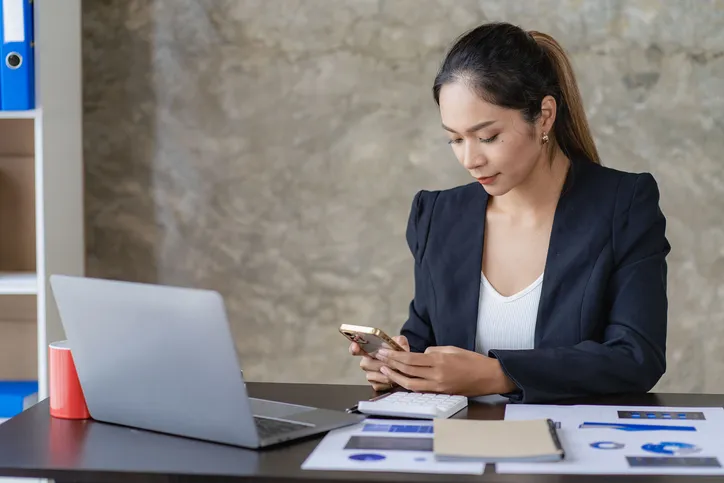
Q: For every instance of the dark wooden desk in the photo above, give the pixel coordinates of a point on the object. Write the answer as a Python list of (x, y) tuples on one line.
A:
[(35, 445)]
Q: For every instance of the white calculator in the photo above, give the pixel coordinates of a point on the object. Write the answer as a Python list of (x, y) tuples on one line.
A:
[(413, 405)]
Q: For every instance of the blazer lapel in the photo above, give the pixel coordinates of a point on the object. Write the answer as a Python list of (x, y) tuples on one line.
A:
[(563, 251), (464, 257)]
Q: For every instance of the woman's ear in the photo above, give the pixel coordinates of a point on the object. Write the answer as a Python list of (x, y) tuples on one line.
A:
[(547, 114)]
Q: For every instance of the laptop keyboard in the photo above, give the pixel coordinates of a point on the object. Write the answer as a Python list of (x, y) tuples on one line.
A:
[(273, 427)]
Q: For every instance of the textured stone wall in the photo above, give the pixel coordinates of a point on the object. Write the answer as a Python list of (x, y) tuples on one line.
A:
[(270, 150)]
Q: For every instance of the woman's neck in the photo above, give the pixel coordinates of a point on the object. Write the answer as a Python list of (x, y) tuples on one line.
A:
[(539, 192)]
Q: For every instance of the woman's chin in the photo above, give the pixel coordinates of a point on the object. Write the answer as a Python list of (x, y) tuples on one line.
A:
[(495, 189)]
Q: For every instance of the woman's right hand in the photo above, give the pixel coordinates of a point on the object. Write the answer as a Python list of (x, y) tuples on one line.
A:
[(372, 366)]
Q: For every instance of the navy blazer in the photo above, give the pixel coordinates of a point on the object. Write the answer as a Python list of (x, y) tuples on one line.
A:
[(601, 323)]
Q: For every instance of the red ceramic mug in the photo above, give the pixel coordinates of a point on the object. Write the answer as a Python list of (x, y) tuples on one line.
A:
[(65, 394)]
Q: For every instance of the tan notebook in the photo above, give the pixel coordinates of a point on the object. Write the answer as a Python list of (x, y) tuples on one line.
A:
[(496, 441)]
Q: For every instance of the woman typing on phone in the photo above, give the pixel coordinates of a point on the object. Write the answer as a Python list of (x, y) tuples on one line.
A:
[(545, 277)]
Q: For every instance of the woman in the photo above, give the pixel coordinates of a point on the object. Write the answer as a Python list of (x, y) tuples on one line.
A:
[(545, 278)]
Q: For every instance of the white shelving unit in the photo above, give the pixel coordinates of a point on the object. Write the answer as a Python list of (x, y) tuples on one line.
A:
[(41, 195), (18, 114), (18, 283)]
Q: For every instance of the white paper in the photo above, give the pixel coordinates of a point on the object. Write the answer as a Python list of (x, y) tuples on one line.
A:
[(13, 24), (606, 450), (330, 453)]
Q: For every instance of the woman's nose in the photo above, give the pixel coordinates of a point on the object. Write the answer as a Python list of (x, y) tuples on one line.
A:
[(472, 157)]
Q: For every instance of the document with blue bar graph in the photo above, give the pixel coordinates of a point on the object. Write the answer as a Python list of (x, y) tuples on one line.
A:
[(384, 445), (629, 440)]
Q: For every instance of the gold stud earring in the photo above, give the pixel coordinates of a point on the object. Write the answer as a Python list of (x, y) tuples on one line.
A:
[(545, 138)]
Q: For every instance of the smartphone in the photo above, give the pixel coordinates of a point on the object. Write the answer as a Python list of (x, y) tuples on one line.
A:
[(370, 339)]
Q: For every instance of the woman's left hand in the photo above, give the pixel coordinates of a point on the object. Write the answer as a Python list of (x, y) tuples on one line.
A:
[(447, 370)]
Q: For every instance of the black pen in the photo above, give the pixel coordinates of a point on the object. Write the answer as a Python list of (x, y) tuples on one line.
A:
[(353, 409)]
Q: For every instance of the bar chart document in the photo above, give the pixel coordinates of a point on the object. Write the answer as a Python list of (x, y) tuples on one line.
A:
[(629, 440)]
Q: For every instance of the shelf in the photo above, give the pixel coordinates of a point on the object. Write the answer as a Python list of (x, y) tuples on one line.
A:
[(29, 114), (18, 350), (18, 283), (17, 137), (17, 215), (41, 195)]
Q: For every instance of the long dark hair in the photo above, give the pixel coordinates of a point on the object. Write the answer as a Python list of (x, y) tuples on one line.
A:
[(515, 69)]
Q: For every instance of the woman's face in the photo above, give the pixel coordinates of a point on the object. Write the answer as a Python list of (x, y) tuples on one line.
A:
[(496, 145)]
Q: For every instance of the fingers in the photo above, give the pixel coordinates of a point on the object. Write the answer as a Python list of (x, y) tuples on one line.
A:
[(409, 358), (410, 383), (402, 341), (377, 377), (441, 349), (379, 381), (369, 364), (373, 365), (372, 372), (409, 370), (378, 387), (355, 349)]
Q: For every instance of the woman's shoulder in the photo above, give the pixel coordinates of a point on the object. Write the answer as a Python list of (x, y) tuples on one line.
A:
[(446, 206), (611, 187), (592, 174), (443, 202), (626, 201), (426, 199)]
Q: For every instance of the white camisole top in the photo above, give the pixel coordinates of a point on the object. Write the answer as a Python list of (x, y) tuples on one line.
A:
[(506, 322)]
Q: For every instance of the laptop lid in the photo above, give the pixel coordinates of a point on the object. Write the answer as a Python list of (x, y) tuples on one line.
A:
[(156, 357)]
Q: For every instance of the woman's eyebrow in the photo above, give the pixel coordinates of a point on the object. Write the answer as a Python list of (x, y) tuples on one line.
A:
[(472, 129)]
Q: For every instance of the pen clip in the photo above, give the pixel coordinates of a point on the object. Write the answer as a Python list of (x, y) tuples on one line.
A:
[(352, 410), (556, 440)]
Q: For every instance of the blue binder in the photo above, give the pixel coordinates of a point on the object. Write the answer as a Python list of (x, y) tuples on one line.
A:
[(16, 396), (17, 56)]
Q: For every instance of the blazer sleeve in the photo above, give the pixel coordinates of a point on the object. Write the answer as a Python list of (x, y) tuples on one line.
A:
[(631, 356), (418, 326)]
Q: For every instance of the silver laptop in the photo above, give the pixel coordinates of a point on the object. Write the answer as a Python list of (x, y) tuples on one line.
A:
[(162, 358)]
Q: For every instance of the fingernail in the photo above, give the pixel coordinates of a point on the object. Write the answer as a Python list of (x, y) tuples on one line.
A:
[(383, 352), (383, 370)]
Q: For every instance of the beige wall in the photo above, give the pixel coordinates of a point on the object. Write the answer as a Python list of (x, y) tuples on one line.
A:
[(270, 150)]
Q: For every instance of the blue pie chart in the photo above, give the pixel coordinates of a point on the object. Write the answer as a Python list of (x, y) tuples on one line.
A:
[(367, 457), (671, 448), (607, 445)]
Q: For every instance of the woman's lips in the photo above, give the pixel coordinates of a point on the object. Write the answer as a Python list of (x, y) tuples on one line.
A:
[(487, 179)]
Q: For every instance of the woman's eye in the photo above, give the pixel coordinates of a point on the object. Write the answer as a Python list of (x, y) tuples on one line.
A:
[(455, 141), (489, 140)]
